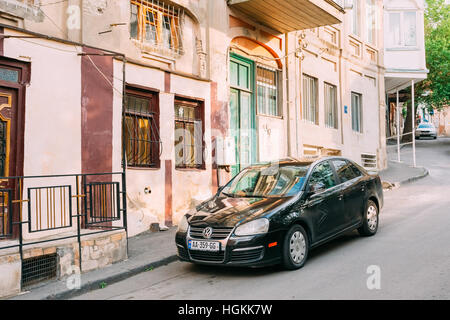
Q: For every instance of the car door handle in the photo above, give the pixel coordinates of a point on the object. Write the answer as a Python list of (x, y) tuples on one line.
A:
[(340, 197)]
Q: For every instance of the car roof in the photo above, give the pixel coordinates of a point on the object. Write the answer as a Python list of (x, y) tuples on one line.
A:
[(300, 161)]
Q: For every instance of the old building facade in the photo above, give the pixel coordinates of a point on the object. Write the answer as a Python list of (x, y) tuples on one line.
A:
[(180, 95)]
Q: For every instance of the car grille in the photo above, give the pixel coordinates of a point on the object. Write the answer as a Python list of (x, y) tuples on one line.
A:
[(217, 234), (207, 256), (182, 252), (246, 255)]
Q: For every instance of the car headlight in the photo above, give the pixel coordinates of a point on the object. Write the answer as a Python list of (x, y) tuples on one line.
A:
[(253, 227), (183, 225)]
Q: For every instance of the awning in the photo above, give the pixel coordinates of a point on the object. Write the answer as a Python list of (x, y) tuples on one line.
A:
[(290, 15)]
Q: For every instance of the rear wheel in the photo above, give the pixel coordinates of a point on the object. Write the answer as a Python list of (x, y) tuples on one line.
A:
[(370, 223), (295, 248)]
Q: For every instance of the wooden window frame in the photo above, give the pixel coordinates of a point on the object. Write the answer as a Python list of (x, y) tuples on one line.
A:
[(153, 116), (200, 115), (159, 14), (277, 86), (334, 108), (316, 99), (360, 113)]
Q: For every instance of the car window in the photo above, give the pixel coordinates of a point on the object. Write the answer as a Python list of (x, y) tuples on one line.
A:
[(322, 176), (425, 126), (268, 181), (346, 170)]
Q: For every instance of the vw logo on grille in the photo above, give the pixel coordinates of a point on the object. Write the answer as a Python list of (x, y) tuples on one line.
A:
[(207, 232)]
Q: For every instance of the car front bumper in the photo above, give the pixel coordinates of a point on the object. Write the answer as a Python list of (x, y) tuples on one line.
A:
[(425, 134), (235, 251)]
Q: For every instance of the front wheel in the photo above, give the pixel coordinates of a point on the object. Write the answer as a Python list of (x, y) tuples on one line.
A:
[(295, 248), (370, 223)]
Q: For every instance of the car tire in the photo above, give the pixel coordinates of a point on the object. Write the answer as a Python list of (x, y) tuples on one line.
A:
[(295, 248), (370, 222)]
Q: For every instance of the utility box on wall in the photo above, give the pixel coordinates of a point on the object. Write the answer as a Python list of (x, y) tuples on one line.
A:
[(225, 151)]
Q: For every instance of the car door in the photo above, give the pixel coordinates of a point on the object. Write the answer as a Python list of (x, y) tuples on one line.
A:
[(324, 203), (353, 188)]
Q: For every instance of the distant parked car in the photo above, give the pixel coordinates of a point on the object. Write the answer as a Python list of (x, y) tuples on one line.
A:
[(426, 130), (276, 213)]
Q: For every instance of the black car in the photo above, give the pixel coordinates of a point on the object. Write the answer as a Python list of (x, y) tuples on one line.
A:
[(276, 212)]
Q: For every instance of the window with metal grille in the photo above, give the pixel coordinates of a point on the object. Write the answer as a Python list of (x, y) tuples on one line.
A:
[(156, 23), (189, 128), (310, 99), (356, 112), (267, 85), (37, 269), (331, 114), (141, 128)]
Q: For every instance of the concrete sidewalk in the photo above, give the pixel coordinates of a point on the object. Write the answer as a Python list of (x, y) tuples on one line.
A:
[(398, 173), (146, 251), (152, 249)]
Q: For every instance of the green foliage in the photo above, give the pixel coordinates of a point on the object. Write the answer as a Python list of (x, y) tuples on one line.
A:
[(103, 285), (435, 90)]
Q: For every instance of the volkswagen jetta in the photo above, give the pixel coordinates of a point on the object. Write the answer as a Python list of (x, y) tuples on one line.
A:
[(276, 212)]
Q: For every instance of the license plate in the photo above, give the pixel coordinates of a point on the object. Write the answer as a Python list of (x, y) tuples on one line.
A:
[(204, 245)]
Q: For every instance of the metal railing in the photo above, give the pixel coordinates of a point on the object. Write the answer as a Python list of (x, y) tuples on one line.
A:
[(59, 207)]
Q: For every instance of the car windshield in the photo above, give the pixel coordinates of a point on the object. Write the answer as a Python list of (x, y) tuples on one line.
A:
[(425, 126), (267, 181)]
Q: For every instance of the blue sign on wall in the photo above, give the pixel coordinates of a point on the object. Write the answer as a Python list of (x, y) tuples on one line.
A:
[(345, 109)]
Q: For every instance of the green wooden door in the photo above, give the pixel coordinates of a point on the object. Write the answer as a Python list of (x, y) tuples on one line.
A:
[(242, 111)]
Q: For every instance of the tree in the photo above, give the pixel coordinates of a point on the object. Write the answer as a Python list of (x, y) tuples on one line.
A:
[(434, 92)]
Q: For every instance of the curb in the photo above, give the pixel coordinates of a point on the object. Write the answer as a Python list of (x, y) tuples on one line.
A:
[(409, 180), (94, 285), (415, 178)]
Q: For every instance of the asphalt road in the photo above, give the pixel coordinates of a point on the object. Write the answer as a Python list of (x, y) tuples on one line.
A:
[(411, 251)]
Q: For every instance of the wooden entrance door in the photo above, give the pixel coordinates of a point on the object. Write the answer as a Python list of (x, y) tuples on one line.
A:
[(8, 157)]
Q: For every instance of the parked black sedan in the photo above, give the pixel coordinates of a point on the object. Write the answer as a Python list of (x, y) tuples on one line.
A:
[(276, 212)]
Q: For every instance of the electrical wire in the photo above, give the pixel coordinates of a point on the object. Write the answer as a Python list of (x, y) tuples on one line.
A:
[(89, 58)]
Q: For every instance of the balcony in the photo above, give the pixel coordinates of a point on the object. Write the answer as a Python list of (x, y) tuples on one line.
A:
[(290, 15), (25, 9)]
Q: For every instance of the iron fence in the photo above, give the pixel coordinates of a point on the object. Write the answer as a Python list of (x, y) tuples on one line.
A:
[(60, 207)]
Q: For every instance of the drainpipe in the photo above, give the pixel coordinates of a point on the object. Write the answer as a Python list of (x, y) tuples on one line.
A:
[(286, 75), (341, 89)]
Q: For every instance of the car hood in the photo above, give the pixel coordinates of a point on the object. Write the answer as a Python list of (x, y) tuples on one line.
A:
[(222, 211)]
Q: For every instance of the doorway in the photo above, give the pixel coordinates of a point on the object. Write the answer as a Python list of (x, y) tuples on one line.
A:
[(242, 111)]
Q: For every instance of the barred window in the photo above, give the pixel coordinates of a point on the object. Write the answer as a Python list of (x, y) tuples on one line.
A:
[(155, 23), (189, 128), (310, 99), (331, 113), (267, 84), (141, 128), (356, 112)]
